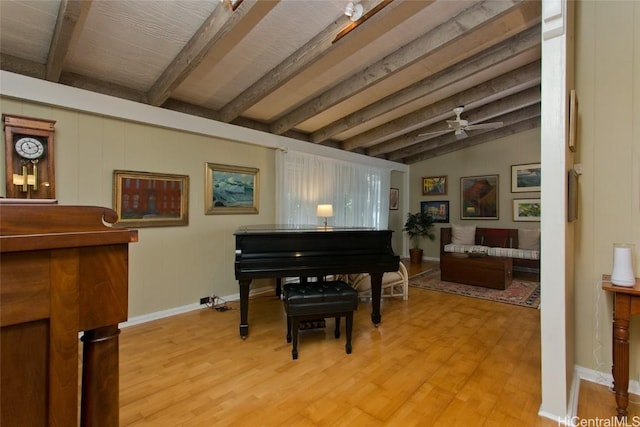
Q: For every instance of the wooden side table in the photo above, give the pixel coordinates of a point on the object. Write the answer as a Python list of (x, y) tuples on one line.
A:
[(626, 303)]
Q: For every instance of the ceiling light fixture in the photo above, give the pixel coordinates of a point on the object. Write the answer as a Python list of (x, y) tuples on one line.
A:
[(354, 10)]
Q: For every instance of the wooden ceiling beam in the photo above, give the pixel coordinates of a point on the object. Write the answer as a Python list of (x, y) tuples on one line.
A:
[(415, 122), (517, 115), (475, 111), (473, 17), (208, 113), (522, 126), (305, 56), (353, 25), (21, 66), (69, 14), (100, 86), (283, 72), (222, 22), (520, 43)]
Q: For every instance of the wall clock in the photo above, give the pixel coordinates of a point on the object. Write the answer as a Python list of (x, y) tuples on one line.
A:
[(29, 165)]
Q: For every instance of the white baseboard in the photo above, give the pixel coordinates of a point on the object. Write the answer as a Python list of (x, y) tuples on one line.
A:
[(185, 309), (581, 373), (603, 378)]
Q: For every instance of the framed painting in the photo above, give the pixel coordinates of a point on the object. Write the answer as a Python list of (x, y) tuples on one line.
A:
[(231, 189), (479, 197), (526, 209), (148, 199), (525, 178), (437, 210), (394, 199), (434, 185)]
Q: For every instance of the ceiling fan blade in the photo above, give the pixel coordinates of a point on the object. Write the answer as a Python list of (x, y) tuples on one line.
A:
[(440, 132), (493, 125)]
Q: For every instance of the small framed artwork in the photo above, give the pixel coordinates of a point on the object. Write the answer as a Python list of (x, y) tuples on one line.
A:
[(394, 199), (231, 189), (147, 199), (479, 197), (437, 210), (573, 120), (526, 209), (434, 185), (525, 178)]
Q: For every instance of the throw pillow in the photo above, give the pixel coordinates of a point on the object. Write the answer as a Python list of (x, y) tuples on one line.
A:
[(529, 238), (496, 238), (463, 234)]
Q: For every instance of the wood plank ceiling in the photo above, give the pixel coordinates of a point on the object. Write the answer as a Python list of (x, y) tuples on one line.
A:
[(298, 68)]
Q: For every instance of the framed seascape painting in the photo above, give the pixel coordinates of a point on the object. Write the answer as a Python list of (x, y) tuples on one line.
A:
[(525, 178), (231, 189), (434, 185), (147, 199), (526, 209), (479, 197), (437, 210)]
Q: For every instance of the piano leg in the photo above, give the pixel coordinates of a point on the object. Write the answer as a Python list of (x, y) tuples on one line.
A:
[(244, 308), (278, 287), (376, 293)]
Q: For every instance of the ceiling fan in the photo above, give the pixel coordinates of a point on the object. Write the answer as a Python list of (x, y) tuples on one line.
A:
[(459, 126)]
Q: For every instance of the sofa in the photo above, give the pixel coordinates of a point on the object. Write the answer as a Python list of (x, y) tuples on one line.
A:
[(521, 245)]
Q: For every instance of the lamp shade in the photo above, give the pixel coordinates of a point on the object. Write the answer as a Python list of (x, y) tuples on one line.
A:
[(622, 273), (324, 211)]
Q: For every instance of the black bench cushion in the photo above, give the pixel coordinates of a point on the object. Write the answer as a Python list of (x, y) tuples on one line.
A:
[(319, 298)]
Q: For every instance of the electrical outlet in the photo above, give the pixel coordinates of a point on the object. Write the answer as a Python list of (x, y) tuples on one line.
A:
[(205, 300)]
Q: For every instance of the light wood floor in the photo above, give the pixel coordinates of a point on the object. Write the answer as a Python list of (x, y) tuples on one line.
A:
[(435, 360)]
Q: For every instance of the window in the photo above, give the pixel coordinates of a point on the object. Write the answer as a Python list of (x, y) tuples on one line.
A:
[(359, 193)]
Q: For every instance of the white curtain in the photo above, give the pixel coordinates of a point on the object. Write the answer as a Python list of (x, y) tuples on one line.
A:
[(359, 193)]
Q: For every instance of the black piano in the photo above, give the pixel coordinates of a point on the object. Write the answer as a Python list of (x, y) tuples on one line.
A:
[(265, 251)]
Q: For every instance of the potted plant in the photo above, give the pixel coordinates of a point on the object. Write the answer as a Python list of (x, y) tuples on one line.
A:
[(418, 225)]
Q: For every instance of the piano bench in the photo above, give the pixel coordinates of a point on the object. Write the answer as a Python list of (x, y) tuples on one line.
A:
[(313, 300)]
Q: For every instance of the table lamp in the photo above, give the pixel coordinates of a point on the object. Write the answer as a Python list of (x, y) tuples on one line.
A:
[(622, 273), (325, 211)]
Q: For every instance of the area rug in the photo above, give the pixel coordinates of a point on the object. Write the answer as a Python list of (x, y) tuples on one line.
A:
[(521, 292)]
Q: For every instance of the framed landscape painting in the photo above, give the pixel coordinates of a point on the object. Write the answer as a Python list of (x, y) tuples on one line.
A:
[(525, 178), (526, 209), (479, 197), (231, 189)]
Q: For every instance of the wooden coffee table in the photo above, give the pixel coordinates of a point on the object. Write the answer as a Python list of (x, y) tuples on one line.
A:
[(487, 271)]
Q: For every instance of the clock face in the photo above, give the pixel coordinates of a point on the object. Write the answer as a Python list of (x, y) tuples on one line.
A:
[(29, 148)]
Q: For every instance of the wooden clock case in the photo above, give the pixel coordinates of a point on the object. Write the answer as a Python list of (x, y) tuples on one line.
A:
[(16, 127)]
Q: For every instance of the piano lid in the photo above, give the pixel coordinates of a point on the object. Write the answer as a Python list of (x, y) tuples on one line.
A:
[(294, 228)]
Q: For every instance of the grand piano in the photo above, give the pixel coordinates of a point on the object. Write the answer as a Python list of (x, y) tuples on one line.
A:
[(277, 251)]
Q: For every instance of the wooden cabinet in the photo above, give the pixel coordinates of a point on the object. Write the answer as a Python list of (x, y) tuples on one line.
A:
[(62, 271)]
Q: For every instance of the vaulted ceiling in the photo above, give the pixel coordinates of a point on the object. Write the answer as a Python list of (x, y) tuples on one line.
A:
[(298, 68)]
